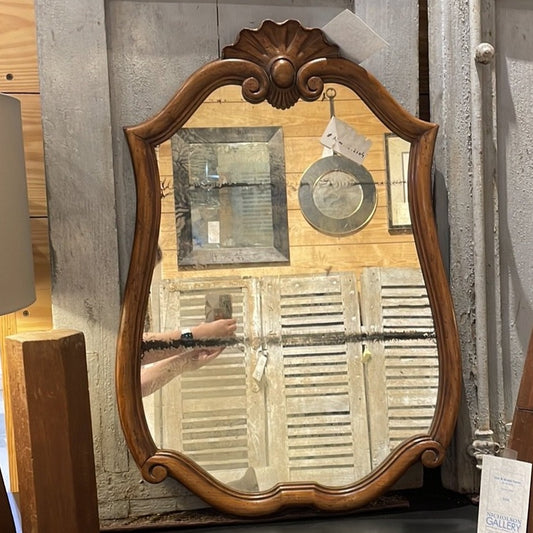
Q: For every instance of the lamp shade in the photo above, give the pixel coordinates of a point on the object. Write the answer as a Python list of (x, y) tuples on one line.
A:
[(17, 287)]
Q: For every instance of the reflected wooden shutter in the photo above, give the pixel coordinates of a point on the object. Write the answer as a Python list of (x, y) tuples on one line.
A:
[(213, 414), (402, 363), (314, 379)]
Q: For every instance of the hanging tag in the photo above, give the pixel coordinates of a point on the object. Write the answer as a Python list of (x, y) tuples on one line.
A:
[(504, 495), (260, 367), (367, 354), (344, 140)]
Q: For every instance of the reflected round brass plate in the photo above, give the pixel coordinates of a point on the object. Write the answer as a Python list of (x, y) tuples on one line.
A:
[(337, 195)]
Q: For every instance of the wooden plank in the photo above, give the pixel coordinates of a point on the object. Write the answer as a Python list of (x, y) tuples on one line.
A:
[(302, 152), (376, 231), (8, 326), (307, 260), (18, 48), (48, 378), (34, 153), (377, 401), (277, 436), (304, 119)]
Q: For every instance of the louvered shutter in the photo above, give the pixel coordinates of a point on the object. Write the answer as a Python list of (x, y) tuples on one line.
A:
[(213, 414), (402, 364), (314, 379)]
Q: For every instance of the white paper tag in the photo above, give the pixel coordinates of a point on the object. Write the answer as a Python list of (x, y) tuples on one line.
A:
[(504, 495), (355, 38), (344, 140), (260, 367), (213, 232)]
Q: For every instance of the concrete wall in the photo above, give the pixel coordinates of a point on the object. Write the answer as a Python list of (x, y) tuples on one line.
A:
[(480, 99), (107, 64)]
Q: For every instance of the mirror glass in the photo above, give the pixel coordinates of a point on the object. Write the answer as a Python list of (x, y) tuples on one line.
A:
[(298, 227)]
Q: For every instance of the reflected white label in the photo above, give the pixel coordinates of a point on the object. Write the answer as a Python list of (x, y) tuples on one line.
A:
[(213, 232), (344, 140)]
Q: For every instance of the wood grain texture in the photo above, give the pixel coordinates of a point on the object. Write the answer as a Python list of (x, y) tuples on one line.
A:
[(259, 78), (8, 326), (18, 48), (34, 153), (53, 435)]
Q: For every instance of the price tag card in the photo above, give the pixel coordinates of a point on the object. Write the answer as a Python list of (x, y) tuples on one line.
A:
[(342, 139), (504, 495)]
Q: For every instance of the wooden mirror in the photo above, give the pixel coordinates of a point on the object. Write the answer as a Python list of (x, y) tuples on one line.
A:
[(344, 370)]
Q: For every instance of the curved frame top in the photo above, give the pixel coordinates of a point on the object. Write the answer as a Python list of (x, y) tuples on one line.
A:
[(282, 63)]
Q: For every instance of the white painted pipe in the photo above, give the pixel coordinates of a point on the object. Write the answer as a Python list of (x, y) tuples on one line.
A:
[(479, 221)]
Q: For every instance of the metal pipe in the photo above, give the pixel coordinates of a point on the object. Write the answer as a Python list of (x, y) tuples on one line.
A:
[(479, 221)]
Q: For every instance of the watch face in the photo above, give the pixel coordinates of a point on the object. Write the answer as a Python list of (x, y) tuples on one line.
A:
[(337, 195)]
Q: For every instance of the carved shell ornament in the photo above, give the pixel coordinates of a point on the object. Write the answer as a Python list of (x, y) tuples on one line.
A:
[(281, 50)]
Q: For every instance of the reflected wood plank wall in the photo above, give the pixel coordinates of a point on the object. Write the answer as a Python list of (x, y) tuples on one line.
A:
[(311, 251), (19, 78)]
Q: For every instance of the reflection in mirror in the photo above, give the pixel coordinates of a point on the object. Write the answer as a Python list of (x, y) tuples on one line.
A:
[(229, 195), (334, 361)]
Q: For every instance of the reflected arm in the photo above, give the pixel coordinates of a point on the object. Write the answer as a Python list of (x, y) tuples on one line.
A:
[(165, 365)]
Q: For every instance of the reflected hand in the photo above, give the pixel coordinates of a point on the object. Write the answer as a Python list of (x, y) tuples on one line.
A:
[(198, 357), (224, 327)]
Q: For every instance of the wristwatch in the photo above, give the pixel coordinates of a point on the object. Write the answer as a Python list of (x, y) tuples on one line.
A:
[(186, 337)]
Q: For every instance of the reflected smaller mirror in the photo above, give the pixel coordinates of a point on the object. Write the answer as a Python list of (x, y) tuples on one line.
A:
[(230, 199), (342, 366)]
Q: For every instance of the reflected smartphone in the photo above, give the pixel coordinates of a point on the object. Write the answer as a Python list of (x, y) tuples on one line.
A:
[(218, 305)]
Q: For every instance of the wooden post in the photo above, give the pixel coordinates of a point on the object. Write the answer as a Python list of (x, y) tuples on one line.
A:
[(53, 435)]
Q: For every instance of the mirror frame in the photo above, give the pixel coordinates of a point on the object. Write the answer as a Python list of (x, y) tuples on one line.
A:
[(281, 63)]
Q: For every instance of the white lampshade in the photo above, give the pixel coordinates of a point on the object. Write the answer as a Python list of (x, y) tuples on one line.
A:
[(17, 288)]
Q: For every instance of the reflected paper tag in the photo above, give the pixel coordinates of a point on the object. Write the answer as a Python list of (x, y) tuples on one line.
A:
[(504, 495), (259, 369), (344, 140), (213, 232)]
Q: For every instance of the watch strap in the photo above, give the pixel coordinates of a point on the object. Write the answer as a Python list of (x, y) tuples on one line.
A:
[(186, 336)]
